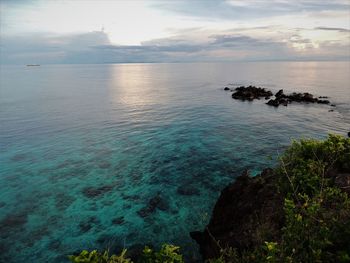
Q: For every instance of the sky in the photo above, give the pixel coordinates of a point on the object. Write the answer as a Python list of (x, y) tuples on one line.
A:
[(117, 31)]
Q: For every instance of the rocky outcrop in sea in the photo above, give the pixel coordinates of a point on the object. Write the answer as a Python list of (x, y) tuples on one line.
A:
[(251, 93)]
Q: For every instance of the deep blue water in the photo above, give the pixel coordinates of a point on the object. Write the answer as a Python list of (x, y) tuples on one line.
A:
[(83, 148)]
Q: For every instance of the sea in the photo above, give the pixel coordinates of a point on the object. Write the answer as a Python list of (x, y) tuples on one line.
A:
[(113, 156)]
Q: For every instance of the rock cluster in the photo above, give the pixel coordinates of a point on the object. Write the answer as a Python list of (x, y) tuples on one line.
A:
[(283, 99), (251, 93)]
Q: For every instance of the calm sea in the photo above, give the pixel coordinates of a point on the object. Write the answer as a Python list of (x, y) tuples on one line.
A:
[(98, 156)]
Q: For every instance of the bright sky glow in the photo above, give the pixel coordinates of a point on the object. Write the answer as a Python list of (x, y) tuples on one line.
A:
[(134, 31)]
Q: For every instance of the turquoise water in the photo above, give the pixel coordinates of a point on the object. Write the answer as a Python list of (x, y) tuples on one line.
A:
[(84, 148)]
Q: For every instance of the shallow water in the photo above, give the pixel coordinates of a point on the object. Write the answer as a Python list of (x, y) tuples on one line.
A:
[(84, 148)]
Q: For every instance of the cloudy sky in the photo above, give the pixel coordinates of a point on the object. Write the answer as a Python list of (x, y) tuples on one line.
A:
[(107, 31)]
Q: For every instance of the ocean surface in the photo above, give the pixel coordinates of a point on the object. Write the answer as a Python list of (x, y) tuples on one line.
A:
[(117, 155)]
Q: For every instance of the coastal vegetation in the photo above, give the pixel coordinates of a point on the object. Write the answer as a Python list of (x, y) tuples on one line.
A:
[(296, 212), (168, 253)]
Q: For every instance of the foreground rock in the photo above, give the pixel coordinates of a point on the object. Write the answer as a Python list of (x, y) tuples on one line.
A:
[(244, 209), (249, 211), (251, 93)]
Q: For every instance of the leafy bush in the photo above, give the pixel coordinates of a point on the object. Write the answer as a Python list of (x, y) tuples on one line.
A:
[(167, 254), (97, 257), (317, 212)]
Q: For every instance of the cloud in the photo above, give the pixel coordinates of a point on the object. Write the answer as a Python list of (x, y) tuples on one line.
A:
[(339, 29), (45, 48), (168, 31), (239, 44), (239, 9), (238, 41)]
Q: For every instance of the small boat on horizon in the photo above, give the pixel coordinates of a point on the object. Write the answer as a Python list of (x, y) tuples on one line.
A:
[(33, 65)]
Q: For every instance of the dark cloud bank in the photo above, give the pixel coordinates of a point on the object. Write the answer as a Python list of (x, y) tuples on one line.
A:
[(95, 47)]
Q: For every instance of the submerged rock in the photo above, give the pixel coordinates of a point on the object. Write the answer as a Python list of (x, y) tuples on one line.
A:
[(104, 165), (12, 223), (37, 234), (118, 220), (19, 157), (63, 201), (156, 202), (131, 197), (54, 244), (187, 190), (86, 225), (92, 192)]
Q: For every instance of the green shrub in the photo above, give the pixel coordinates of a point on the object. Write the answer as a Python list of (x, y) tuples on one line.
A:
[(97, 257), (167, 254), (317, 213)]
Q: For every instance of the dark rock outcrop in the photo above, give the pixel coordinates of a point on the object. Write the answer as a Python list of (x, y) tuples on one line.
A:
[(323, 101), (227, 88), (250, 93), (283, 99), (245, 210), (250, 211)]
